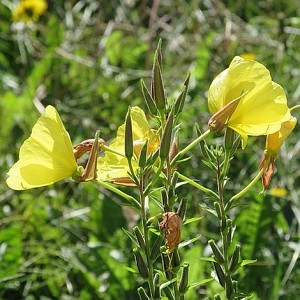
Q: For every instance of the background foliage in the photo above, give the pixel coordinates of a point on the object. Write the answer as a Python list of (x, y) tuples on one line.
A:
[(87, 58)]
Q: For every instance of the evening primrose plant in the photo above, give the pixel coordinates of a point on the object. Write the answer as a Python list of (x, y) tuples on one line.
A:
[(145, 159)]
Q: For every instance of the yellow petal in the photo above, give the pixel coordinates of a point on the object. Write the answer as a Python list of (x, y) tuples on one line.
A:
[(113, 166), (263, 107), (140, 124), (45, 157)]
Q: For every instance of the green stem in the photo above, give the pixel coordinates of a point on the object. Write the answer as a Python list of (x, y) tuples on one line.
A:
[(295, 107), (225, 163), (106, 148), (224, 227), (198, 186), (154, 179), (248, 187), (188, 148), (146, 237), (112, 188)]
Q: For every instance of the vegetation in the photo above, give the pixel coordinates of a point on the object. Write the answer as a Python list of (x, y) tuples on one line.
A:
[(87, 58)]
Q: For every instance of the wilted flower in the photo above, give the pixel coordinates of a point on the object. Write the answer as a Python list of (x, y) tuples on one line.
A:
[(47, 155), (114, 165), (244, 98), (29, 10), (273, 143), (171, 227)]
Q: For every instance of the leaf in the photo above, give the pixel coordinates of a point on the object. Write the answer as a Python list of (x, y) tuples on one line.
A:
[(191, 220), (188, 242), (211, 259), (246, 262)]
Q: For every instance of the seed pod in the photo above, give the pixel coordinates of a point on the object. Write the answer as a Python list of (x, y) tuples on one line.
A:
[(175, 260), (234, 262), (169, 294), (181, 210), (156, 293), (183, 284), (218, 210), (141, 264), (139, 237), (216, 251), (167, 266), (155, 250), (228, 286), (229, 232), (220, 273), (142, 294)]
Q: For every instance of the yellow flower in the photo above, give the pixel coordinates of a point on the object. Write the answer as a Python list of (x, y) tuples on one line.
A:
[(244, 98), (29, 10), (47, 156), (114, 165), (278, 192), (248, 55), (273, 144)]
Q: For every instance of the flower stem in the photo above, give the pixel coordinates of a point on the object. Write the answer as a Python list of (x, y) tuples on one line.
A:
[(112, 188), (198, 186), (247, 188), (188, 148), (146, 237), (106, 148)]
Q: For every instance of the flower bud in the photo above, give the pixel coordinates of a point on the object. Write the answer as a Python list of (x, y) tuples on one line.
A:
[(128, 136), (157, 85), (179, 102), (148, 98), (143, 156), (165, 143)]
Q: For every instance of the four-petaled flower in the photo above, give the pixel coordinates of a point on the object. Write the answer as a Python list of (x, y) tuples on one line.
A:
[(244, 98)]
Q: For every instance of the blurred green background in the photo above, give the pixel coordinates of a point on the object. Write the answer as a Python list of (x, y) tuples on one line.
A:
[(87, 58)]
